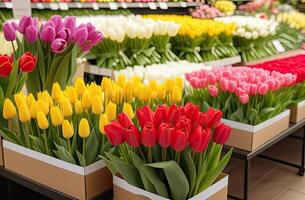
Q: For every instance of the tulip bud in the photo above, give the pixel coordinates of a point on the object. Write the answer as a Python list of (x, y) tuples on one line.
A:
[(161, 93), (169, 85), (80, 86), (121, 81), (42, 106), (33, 109), (124, 120), (127, 109), (199, 139), (71, 93), (165, 135), (149, 135), (160, 115), (145, 115), (67, 129), (19, 99), (179, 82), (103, 122), (56, 116), (86, 100), (115, 133), (213, 118), (56, 92), (9, 31), (133, 137), (111, 111), (29, 99), (97, 105), (42, 121), (78, 108), (66, 107), (24, 113), (84, 128), (177, 94), (221, 134), (9, 110), (180, 138), (6, 65), (58, 45)]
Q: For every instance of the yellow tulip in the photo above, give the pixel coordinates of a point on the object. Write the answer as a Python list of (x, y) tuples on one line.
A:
[(127, 109), (19, 99), (42, 121), (86, 100), (103, 122), (179, 82), (84, 128), (169, 85), (109, 90), (97, 105), (56, 116), (9, 110), (56, 91), (29, 99), (105, 83), (67, 129), (78, 108), (43, 106), (177, 94), (33, 109), (80, 86), (153, 86), (24, 113), (66, 107), (129, 87), (45, 96), (161, 93), (71, 93), (121, 81), (111, 111)]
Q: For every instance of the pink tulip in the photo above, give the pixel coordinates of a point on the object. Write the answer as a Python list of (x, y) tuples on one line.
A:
[(253, 90), (213, 90), (244, 98), (224, 84), (232, 86), (263, 89)]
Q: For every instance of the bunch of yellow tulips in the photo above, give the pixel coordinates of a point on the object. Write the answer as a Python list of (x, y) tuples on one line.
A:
[(69, 124), (294, 19), (225, 6)]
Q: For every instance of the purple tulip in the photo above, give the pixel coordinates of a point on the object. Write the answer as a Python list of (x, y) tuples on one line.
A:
[(25, 22), (57, 20), (47, 34), (80, 35), (58, 45), (31, 34), (15, 26), (95, 37), (70, 23), (48, 23), (9, 31), (90, 27), (64, 33)]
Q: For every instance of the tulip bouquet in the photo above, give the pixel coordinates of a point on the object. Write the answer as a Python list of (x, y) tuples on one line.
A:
[(132, 40), (246, 95), (56, 43), (174, 151), (160, 72), (227, 7), (201, 40), (295, 19), (206, 12), (294, 65)]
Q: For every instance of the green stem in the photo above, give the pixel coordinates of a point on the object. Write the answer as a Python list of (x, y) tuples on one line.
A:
[(46, 142), (84, 146), (177, 157), (164, 154), (69, 146), (149, 155)]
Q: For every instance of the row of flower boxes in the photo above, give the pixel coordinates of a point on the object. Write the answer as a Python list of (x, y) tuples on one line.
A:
[(88, 182)]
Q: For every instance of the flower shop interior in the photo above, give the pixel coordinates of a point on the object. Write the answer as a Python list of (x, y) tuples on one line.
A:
[(152, 99)]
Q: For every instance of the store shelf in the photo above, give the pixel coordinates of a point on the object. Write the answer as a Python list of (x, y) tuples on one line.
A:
[(114, 5)]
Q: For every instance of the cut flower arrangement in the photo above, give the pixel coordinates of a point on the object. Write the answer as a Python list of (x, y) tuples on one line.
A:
[(56, 43), (201, 40), (245, 95), (68, 124), (174, 152), (132, 40)]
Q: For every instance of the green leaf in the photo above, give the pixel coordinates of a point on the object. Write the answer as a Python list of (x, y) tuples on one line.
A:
[(65, 155), (12, 79), (38, 144), (188, 166), (128, 172), (238, 115), (266, 113), (178, 183), (81, 159), (138, 162), (211, 175), (10, 136), (109, 164), (215, 156), (201, 173), (91, 148)]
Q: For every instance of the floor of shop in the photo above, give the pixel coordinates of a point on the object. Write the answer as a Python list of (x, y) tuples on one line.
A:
[(270, 180)]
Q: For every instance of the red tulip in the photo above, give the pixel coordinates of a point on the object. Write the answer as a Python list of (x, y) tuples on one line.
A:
[(180, 138), (191, 111), (133, 137), (174, 113), (165, 134), (124, 120), (6, 65), (145, 115), (213, 118), (27, 62), (184, 123), (160, 115), (221, 134), (149, 135), (200, 139), (115, 133), (200, 120)]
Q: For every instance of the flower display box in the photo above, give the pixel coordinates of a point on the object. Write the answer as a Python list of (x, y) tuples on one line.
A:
[(1, 152), (75, 181), (297, 112), (99, 71), (123, 190), (248, 137)]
